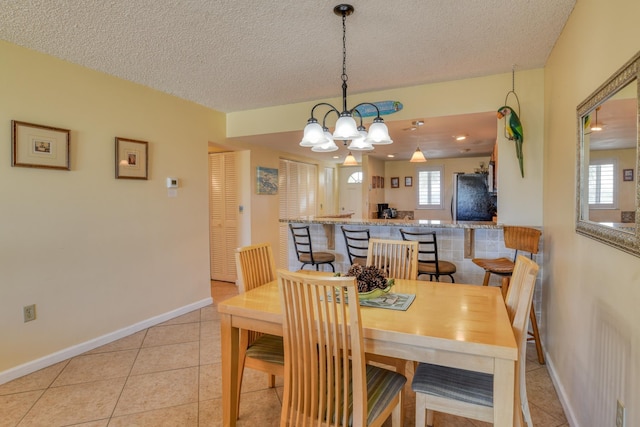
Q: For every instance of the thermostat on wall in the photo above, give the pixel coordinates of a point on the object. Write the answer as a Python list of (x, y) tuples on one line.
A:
[(172, 182)]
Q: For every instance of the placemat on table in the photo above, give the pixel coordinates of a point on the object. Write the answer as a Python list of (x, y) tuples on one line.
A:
[(391, 301)]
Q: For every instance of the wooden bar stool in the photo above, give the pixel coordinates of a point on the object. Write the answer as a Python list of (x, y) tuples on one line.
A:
[(522, 239)]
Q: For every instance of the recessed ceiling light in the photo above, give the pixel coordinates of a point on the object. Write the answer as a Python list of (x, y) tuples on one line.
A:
[(391, 155), (461, 137), (336, 157)]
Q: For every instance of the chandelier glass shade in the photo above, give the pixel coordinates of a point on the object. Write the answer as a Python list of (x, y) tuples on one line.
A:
[(318, 137)]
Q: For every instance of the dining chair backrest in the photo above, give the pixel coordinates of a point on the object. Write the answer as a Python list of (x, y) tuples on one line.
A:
[(523, 267), (357, 243), (399, 258), (319, 329), (255, 266), (521, 309)]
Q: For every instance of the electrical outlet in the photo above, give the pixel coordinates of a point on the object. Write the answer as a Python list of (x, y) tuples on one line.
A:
[(620, 415), (29, 312)]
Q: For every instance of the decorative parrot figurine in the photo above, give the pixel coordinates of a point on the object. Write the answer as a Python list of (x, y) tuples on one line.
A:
[(514, 129)]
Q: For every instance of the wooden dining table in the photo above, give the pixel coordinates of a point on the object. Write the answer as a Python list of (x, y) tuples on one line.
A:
[(463, 326)]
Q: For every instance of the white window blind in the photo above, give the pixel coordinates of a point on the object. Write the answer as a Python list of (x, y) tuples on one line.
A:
[(297, 184), (430, 187), (602, 184)]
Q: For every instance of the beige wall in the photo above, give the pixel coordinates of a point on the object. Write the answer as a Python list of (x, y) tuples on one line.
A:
[(94, 253), (591, 320)]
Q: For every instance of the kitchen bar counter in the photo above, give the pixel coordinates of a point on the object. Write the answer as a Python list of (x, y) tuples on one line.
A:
[(458, 241), (328, 220)]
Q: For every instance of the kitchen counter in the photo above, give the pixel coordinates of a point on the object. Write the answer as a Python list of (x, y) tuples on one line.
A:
[(395, 222)]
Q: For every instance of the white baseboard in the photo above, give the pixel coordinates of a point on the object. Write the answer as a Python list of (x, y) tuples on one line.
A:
[(75, 350), (562, 395)]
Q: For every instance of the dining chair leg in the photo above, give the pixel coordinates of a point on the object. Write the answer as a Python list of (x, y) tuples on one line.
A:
[(536, 336), (421, 413), (397, 415), (242, 350), (429, 418)]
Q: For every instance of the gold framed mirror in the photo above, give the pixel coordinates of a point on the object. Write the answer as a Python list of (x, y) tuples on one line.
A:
[(607, 193)]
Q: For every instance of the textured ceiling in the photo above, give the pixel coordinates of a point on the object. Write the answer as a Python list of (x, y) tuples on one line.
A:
[(233, 55)]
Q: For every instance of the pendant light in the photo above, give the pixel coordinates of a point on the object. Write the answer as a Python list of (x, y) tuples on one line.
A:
[(316, 136), (350, 160), (418, 156)]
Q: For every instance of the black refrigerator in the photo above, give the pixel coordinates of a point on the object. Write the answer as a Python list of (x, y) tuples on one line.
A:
[(472, 200)]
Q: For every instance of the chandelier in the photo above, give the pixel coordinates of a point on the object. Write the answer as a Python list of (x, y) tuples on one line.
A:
[(318, 137)]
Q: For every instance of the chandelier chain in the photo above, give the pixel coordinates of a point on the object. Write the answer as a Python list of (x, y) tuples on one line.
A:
[(344, 47)]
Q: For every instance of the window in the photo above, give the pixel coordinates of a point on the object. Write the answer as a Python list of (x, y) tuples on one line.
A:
[(430, 187), (355, 178), (602, 184)]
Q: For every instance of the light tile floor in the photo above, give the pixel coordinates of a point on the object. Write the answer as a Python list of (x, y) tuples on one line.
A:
[(170, 375)]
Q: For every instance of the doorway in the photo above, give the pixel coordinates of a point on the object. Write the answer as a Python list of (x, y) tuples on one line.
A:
[(350, 191)]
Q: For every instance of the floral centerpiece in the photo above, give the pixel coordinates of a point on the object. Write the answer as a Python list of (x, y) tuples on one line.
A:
[(372, 281)]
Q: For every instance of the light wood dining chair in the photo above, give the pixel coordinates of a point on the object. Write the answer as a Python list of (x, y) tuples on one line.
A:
[(520, 239), (255, 267), (398, 258), (327, 381), (469, 394)]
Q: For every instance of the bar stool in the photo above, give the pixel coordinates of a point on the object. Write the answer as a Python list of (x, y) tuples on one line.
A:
[(304, 249), (357, 242), (523, 239), (428, 261)]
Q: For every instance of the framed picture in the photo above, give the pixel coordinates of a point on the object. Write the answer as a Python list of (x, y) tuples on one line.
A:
[(374, 182), (132, 159), (627, 174), (266, 180), (395, 182), (37, 146), (381, 182), (408, 181)]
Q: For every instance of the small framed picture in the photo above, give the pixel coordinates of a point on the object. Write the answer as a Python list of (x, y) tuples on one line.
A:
[(381, 182), (395, 182), (627, 174), (266, 180), (374, 182), (37, 146), (131, 159), (408, 181)]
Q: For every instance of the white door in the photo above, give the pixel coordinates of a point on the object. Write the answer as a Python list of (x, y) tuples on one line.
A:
[(350, 190), (223, 222)]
